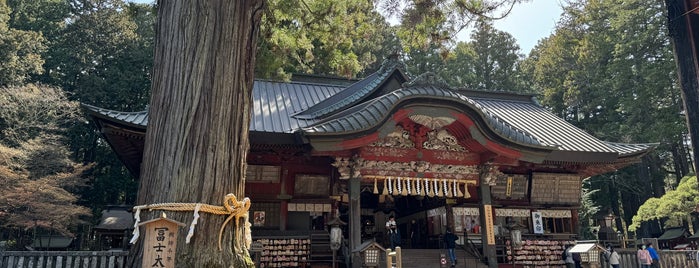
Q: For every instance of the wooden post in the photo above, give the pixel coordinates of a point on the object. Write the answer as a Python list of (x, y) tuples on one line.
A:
[(355, 231), (487, 232), (399, 258)]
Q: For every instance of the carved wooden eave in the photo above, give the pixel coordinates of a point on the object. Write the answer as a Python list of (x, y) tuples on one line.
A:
[(127, 143)]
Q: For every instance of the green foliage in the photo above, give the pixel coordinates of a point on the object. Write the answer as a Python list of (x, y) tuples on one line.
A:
[(489, 62), (39, 179), (104, 55), (339, 38), (20, 51), (426, 23), (673, 208), (101, 52), (608, 69)]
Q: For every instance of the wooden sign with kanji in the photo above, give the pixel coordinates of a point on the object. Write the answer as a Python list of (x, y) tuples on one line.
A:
[(160, 242)]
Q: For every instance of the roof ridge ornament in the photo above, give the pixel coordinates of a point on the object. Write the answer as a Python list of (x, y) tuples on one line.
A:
[(393, 61), (428, 79)]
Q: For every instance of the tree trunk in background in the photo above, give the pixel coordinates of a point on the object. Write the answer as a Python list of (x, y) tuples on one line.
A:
[(682, 25), (197, 137)]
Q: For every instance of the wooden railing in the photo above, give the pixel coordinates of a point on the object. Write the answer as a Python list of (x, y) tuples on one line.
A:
[(668, 258), (62, 259)]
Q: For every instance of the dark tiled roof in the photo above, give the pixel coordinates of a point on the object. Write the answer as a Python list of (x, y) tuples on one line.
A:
[(273, 105), (137, 120), (517, 119), (347, 97), (275, 102), (673, 233), (625, 149), (115, 219)]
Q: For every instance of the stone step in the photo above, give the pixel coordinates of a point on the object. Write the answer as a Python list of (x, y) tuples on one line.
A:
[(419, 258)]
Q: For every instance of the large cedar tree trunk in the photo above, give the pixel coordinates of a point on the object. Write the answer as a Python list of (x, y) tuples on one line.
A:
[(197, 137), (684, 30)]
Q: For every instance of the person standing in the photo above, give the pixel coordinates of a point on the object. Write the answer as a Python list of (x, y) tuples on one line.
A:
[(414, 234), (655, 258), (643, 257), (570, 263), (613, 257), (393, 233), (450, 243)]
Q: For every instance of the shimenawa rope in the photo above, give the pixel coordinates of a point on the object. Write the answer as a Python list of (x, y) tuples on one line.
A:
[(231, 207)]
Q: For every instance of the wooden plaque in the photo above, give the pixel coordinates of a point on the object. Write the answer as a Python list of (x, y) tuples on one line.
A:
[(160, 243), (488, 210)]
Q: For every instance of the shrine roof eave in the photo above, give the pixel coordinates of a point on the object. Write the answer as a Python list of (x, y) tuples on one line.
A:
[(367, 117), (355, 93), (136, 121)]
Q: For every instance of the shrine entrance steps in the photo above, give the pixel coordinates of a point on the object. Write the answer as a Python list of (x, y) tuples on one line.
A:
[(424, 258)]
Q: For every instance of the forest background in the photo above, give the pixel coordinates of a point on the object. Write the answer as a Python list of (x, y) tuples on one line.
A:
[(608, 68)]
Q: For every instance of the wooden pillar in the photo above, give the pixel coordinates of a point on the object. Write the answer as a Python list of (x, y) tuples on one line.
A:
[(487, 225), (285, 199), (450, 216), (355, 231), (284, 215)]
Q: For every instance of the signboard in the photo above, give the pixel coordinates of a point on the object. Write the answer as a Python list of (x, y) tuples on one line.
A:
[(160, 243), (490, 232), (554, 188), (538, 223)]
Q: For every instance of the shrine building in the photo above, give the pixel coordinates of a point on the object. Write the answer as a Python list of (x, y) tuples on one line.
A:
[(497, 168)]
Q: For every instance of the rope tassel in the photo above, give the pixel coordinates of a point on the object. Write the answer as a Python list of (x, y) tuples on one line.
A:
[(447, 188), (457, 185)]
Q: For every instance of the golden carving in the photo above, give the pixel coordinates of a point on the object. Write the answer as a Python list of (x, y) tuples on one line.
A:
[(399, 138), (442, 140), (432, 122)]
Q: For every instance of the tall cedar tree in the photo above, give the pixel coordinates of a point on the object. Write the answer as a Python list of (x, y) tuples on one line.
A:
[(197, 138)]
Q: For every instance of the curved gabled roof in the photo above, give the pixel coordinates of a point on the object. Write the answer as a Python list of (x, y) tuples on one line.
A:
[(354, 93), (513, 117)]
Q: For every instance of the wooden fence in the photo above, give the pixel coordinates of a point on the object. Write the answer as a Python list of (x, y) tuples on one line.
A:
[(668, 259), (63, 259)]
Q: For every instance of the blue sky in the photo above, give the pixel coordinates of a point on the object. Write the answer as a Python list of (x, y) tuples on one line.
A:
[(528, 22)]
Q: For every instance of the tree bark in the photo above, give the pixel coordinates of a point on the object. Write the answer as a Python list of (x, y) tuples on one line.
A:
[(681, 24), (197, 137)]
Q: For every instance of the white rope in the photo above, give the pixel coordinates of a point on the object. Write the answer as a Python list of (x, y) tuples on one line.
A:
[(136, 233), (194, 223)]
